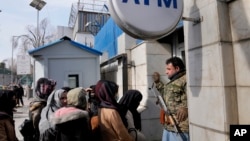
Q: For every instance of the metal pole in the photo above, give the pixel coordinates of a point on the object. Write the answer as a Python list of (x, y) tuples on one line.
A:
[(2, 79), (38, 5), (38, 37), (3, 75), (11, 71)]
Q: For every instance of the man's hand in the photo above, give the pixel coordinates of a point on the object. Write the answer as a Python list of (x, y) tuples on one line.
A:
[(88, 89), (182, 114), (157, 101)]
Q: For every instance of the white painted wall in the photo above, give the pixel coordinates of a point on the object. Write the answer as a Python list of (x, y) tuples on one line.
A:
[(85, 39), (104, 57), (60, 68), (149, 57), (38, 70), (125, 42), (241, 49), (57, 61), (64, 31)]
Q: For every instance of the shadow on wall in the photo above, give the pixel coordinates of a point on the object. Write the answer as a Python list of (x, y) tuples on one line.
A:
[(240, 28), (194, 62), (246, 51), (151, 126)]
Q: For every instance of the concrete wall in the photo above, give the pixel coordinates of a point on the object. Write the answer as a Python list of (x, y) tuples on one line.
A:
[(155, 57), (239, 12), (76, 27), (217, 63), (64, 31), (80, 37), (125, 42), (143, 60), (85, 39)]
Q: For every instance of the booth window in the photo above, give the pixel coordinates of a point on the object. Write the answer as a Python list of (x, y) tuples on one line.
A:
[(73, 80)]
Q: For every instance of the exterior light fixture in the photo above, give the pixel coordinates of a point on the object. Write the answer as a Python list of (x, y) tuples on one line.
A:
[(38, 4)]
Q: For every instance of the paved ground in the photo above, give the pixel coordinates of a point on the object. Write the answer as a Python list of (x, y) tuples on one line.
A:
[(20, 115)]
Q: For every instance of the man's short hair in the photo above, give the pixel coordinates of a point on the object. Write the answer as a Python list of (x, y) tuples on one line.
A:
[(176, 62)]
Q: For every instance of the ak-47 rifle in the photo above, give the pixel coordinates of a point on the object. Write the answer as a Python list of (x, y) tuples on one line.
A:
[(163, 105)]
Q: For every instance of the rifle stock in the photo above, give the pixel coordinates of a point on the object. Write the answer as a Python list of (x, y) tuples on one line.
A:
[(170, 118)]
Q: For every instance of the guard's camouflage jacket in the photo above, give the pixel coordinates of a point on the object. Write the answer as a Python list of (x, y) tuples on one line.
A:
[(175, 96), (159, 86)]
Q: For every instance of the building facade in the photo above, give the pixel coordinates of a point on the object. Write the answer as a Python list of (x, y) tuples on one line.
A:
[(85, 21), (131, 63), (68, 62), (218, 64), (216, 53)]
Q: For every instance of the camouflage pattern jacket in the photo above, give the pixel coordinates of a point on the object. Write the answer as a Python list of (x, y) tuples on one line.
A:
[(175, 96), (160, 86)]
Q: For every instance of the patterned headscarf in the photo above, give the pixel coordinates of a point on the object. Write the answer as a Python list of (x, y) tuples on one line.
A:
[(106, 91), (44, 87)]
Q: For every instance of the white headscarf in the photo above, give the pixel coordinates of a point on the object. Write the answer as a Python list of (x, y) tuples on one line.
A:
[(53, 104)]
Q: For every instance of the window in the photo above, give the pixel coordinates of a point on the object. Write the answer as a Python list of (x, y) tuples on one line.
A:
[(73, 80)]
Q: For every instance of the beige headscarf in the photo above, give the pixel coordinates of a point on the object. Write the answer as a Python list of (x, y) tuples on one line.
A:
[(77, 98)]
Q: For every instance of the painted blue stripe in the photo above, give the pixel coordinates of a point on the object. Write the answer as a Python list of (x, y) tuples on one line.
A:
[(81, 46)]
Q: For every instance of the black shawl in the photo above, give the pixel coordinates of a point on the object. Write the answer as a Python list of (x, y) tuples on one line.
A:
[(130, 101)]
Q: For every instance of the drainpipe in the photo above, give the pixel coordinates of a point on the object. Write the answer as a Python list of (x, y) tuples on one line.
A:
[(125, 73)]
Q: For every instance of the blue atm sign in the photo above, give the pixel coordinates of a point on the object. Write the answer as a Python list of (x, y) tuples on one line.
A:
[(160, 2), (146, 19)]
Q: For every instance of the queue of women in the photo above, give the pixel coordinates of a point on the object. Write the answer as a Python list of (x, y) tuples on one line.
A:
[(90, 114)]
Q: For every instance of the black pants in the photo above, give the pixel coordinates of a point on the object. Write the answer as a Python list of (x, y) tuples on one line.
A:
[(34, 137), (18, 100)]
